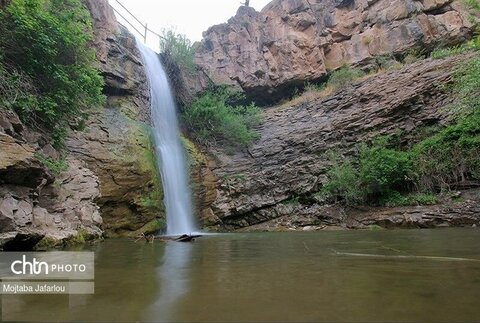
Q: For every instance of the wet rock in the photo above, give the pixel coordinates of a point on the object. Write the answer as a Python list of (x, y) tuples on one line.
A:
[(449, 213), (20, 241), (116, 143)]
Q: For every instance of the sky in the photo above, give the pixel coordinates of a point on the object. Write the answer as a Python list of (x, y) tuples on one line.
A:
[(188, 17)]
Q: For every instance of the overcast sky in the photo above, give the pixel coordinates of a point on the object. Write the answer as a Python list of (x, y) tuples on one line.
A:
[(189, 17)]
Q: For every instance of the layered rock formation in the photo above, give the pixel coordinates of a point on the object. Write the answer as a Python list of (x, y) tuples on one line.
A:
[(35, 205), (293, 41), (278, 176), (116, 142)]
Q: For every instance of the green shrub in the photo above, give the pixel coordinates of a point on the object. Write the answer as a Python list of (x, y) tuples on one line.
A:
[(179, 48), (55, 166), (440, 53), (467, 87), (378, 173), (44, 45), (450, 156), (215, 118), (17, 91), (473, 4), (383, 170), (343, 77), (344, 182), (314, 87)]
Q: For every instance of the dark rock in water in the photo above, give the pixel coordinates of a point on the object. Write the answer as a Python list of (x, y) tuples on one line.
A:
[(22, 242), (186, 238)]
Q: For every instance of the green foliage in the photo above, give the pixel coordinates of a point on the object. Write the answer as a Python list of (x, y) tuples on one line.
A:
[(16, 90), (473, 4), (469, 46), (383, 169), (179, 48), (413, 55), (450, 156), (394, 198), (380, 176), (343, 77), (55, 166), (467, 87), (344, 182), (385, 175), (440, 53), (314, 87), (214, 117), (294, 201), (44, 48)]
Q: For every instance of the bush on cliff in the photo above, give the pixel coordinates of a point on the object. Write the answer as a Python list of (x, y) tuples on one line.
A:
[(383, 170), (377, 174), (44, 46), (450, 156), (215, 118), (343, 77), (344, 182), (179, 48)]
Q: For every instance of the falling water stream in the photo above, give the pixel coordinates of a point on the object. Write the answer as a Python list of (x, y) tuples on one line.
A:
[(168, 148)]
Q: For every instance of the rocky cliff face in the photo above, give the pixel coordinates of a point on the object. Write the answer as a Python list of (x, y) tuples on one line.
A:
[(35, 205), (110, 183), (278, 176), (292, 41), (116, 142)]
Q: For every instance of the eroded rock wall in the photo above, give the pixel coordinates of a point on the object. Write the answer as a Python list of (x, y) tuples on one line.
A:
[(278, 176), (35, 204), (116, 143), (293, 41)]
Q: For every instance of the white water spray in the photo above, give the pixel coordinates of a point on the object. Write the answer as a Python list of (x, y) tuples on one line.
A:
[(168, 148)]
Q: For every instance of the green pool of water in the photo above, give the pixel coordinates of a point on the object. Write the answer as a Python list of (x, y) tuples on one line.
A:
[(400, 275)]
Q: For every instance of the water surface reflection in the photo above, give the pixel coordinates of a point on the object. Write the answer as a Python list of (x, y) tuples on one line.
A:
[(173, 276)]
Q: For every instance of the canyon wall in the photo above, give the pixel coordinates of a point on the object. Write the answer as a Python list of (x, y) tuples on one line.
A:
[(274, 182), (110, 183), (290, 42)]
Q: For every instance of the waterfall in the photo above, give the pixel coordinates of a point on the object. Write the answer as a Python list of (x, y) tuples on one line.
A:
[(168, 148)]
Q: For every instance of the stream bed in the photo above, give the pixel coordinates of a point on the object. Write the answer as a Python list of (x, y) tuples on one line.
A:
[(394, 275)]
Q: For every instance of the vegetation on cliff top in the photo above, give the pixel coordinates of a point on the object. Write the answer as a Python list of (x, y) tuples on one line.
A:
[(179, 48), (47, 72), (384, 173)]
